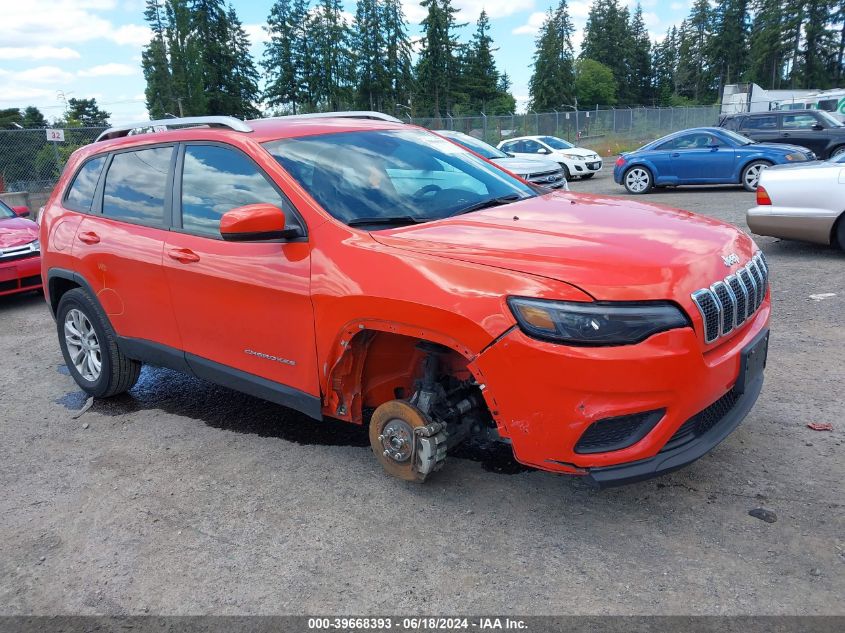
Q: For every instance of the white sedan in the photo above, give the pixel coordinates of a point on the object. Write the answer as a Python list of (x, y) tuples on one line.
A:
[(802, 202), (576, 161)]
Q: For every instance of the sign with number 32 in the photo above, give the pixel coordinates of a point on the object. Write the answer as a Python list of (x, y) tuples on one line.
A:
[(56, 136)]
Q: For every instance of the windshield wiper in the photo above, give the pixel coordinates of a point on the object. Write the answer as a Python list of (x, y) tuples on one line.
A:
[(486, 204), (385, 220)]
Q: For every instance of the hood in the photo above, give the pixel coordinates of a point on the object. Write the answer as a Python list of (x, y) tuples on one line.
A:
[(17, 231), (524, 166), (783, 147), (579, 151), (611, 248)]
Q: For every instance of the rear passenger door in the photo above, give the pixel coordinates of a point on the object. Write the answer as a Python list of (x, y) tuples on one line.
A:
[(240, 305), (764, 128), (118, 245)]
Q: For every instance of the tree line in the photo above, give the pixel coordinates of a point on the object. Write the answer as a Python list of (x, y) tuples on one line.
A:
[(778, 44)]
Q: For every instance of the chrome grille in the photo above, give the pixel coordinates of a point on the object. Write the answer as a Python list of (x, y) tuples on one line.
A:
[(728, 303)]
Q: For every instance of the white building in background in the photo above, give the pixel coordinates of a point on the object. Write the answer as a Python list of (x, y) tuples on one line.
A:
[(752, 98)]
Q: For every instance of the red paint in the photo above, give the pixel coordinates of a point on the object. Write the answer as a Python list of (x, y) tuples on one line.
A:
[(346, 307)]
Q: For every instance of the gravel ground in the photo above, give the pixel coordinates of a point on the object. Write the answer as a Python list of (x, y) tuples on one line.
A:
[(186, 498)]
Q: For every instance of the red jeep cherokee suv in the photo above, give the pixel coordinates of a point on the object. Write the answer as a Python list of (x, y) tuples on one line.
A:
[(355, 267)]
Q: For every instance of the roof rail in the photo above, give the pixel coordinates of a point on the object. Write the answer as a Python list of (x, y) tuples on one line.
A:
[(352, 114), (165, 124)]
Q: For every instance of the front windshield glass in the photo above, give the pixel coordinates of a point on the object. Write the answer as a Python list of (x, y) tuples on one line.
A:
[(477, 146), (6, 212), (556, 143), (393, 176), (736, 137), (829, 119)]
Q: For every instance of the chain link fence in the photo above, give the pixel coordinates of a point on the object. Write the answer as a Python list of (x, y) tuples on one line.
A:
[(30, 163), (608, 130)]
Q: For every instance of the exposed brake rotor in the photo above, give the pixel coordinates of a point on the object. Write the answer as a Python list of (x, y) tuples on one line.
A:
[(408, 444)]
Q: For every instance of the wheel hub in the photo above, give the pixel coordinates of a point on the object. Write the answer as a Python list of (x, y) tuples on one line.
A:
[(82, 345), (397, 438)]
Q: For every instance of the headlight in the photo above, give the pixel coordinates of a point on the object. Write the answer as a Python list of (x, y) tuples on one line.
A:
[(573, 157), (595, 323), (796, 156)]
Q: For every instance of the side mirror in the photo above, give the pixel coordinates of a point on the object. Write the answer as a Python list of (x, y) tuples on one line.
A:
[(21, 212), (255, 223), (510, 154), (818, 127), (545, 151)]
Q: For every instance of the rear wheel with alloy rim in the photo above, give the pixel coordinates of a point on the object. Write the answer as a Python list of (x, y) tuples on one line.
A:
[(89, 347), (836, 153), (638, 180), (751, 174)]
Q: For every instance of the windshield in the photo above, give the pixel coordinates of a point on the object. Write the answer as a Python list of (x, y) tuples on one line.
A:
[(393, 176), (479, 147), (736, 137), (556, 143), (6, 212), (829, 119)]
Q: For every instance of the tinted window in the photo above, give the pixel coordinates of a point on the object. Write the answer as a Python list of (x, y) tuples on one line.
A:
[(6, 212), (556, 143), (510, 147), (136, 185), (216, 180), (761, 123), (732, 123), (798, 121), (831, 105), (531, 147), (81, 193)]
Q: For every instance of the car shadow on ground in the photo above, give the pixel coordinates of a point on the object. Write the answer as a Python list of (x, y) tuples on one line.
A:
[(226, 409), (792, 249), (22, 300)]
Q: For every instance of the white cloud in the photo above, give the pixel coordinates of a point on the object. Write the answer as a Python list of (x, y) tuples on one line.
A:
[(413, 11), (256, 33), (652, 20), (471, 9), (54, 22), (109, 70), (43, 75), (37, 52), (532, 26)]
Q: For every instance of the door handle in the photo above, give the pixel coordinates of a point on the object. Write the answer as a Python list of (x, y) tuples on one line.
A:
[(89, 237), (785, 134), (183, 255), (675, 154)]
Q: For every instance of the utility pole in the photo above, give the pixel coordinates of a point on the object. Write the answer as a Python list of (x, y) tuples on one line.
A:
[(179, 103)]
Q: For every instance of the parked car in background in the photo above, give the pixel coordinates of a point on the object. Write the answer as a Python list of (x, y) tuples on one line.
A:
[(376, 273), (702, 156), (802, 202), (576, 161), (20, 251), (816, 130), (539, 171)]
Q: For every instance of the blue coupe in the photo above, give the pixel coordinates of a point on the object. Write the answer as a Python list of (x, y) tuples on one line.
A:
[(702, 156)]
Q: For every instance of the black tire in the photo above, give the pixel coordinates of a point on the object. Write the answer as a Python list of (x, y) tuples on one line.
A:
[(640, 181), (566, 173), (839, 233), (118, 373), (750, 176), (588, 176), (837, 151)]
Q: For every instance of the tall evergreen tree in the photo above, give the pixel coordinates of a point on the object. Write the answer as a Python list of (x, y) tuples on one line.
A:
[(480, 78), (729, 46), (371, 74), (608, 40), (768, 50), (552, 80), (695, 73), (242, 81), (640, 76), (397, 55), (335, 65), (437, 66), (156, 65)]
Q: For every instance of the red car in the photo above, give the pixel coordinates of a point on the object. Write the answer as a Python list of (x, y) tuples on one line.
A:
[(20, 253), (374, 272)]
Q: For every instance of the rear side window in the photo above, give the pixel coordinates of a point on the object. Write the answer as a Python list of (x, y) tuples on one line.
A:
[(216, 180), (136, 185), (760, 123), (80, 196), (798, 121)]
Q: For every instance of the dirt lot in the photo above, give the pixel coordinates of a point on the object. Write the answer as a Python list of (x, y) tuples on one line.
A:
[(186, 498)]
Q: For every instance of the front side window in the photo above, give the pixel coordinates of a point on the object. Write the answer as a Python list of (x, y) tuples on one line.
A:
[(530, 146), (798, 121), (216, 180), (699, 140), (556, 143), (401, 176), (6, 212), (136, 185), (80, 196)]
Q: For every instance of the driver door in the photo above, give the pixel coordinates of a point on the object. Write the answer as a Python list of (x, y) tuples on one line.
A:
[(702, 157), (239, 305)]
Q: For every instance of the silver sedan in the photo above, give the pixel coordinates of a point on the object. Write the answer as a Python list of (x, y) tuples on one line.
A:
[(802, 202)]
